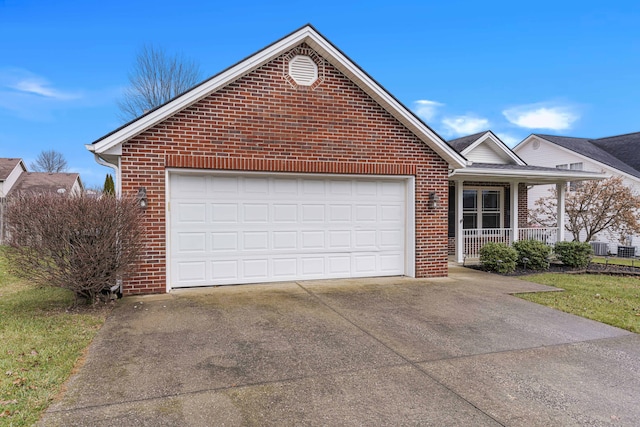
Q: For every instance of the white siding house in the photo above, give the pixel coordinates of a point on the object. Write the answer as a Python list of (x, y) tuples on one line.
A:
[(593, 155)]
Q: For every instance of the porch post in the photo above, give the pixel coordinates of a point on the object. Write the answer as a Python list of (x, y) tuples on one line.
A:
[(514, 211), (560, 190), (459, 230)]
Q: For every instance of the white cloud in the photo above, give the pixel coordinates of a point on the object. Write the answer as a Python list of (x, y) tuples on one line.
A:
[(510, 140), (426, 109), (28, 83), (41, 87), (465, 125), (542, 116)]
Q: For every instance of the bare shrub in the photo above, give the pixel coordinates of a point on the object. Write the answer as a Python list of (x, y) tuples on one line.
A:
[(78, 243)]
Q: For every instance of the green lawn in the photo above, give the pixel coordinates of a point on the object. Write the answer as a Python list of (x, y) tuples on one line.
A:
[(40, 342), (613, 300)]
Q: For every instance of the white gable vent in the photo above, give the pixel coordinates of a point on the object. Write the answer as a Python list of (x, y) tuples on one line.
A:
[(303, 70)]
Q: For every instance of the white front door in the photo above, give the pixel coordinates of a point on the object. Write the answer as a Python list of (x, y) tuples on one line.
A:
[(250, 228)]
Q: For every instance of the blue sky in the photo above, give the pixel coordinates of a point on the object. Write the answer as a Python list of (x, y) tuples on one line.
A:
[(559, 67)]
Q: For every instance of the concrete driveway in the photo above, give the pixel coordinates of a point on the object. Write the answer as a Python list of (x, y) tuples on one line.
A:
[(395, 351)]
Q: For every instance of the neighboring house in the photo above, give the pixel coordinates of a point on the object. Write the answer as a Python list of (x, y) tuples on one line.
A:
[(14, 179), (10, 171), (295, 164), (615, 156)]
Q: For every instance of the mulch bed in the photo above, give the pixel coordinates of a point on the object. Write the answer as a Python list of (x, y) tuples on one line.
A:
[(592, 268)]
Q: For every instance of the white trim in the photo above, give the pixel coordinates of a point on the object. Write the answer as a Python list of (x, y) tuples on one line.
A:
[(167, 231), (410, 226), (538, 175), (410, 223), (497, 142), (514, 209), (479, 210), (308, 35), (604, 166)]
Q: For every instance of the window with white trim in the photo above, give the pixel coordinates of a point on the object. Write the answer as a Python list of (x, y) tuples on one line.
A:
[(482, 208), (571, 186)]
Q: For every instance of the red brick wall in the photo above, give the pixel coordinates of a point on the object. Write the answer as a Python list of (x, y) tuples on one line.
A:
[(261, 122)]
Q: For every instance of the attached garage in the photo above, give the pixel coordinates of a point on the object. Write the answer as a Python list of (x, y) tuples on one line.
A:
[(228, 228), (293, 164)]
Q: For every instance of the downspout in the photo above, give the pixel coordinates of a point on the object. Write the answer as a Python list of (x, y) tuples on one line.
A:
[(116, 171)]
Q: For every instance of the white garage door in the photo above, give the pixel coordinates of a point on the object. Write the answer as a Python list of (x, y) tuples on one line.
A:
[(232, 229)]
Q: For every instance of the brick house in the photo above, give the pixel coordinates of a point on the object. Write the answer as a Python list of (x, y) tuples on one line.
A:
[(292, 164)]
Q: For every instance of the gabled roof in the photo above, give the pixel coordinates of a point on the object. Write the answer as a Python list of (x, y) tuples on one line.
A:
[(460, 144), (489, 140), (7, 165), (621, 152), (323, 47), (40, 182)]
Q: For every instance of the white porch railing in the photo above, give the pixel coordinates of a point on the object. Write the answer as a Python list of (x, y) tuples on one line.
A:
[(548, 236), (474, 239)]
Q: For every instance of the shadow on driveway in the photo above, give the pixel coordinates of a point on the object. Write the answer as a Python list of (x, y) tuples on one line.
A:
[(382, 351)]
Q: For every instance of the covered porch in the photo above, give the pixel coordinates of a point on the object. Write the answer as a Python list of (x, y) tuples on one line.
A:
[(488, 203)]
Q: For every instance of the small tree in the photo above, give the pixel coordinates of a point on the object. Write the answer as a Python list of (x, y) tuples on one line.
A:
[(154, 79), (594, 207), (82, 244), (50, 161), (109, 188)]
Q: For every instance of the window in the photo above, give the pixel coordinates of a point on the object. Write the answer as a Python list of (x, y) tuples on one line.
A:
[(482, 208), (571, 186)]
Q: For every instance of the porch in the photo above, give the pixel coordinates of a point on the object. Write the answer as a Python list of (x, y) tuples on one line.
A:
[(488, 203)]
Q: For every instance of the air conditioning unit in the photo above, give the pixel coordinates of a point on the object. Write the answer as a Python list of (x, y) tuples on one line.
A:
[(600, 248), (626, 251)]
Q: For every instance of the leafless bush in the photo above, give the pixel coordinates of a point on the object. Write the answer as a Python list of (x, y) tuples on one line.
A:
[(78, 243)]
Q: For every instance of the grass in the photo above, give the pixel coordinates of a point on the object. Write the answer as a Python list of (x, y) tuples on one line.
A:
[(616, 261), (613, 300), (40, 343)]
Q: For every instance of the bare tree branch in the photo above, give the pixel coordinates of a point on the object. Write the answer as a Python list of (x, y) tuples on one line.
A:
[(49, 161), (596, 206), (155, 79)]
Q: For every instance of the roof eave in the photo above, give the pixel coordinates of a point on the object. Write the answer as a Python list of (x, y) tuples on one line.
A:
[(528, 175)]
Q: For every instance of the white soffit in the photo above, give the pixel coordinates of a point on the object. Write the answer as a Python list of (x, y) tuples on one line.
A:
[(324, 48)]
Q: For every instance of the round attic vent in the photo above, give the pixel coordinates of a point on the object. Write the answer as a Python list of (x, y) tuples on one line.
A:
[(303, 70), (536, 144)]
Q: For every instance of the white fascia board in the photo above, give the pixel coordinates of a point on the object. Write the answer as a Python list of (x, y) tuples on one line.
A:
[(492, 174), (489, 136), (324, 48)]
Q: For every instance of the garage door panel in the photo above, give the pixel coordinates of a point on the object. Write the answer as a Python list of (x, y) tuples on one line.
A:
[(283, 240), (250, 229), (285, 213), (224, 241), (255, 241), (225, 270), (192, 242), (256, 212), (192, 212), (224, 212)]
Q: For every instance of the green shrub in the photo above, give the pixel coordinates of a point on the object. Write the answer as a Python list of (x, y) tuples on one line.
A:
[(532, 254), (574, 254), (498, 257)]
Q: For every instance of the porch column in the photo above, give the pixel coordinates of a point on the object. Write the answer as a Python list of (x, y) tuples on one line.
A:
[(560, 190), (514, 211), (459, 230)]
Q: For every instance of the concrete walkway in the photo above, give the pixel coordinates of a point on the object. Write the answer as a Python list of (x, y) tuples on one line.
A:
[(394, 351)]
